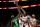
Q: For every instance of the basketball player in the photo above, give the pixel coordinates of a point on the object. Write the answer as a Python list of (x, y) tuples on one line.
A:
[(16, 19), (12, 17), (33, 21), (20, 20), (25, 18)]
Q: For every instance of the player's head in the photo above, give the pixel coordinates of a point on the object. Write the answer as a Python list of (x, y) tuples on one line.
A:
[(12, 17), (25, 14), (33, 15), (21, 14), (29, 16)]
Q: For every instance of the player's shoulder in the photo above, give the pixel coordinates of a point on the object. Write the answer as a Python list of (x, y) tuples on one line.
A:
[(12, 20), (29, 16), (34, 18), (15, 18)]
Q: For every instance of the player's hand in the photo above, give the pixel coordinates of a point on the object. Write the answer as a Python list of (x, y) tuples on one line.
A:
[(15, 2), (21, 8)]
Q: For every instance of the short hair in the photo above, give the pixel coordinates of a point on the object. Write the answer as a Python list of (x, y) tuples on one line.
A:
[(33, 14), (12, 16)]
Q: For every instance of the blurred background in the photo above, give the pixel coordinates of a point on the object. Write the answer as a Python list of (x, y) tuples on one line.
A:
[(5, 15)]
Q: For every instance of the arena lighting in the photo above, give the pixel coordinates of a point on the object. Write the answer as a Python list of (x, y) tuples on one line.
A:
[(21, 6), (12, 1)]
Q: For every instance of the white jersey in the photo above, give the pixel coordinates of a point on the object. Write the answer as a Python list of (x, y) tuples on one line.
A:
[(22, 23), (32, 20), (24, 18)]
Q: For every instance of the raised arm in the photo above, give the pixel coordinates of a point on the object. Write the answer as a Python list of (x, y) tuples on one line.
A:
[(23, 11), (16, 2), (18, 12), (18, 7)]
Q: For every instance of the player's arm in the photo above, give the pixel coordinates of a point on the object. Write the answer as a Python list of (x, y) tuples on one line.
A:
[(21, 20), (23, 11), (18, 12), (11, 23), (35, 22), (15, 2), (18, 8)]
